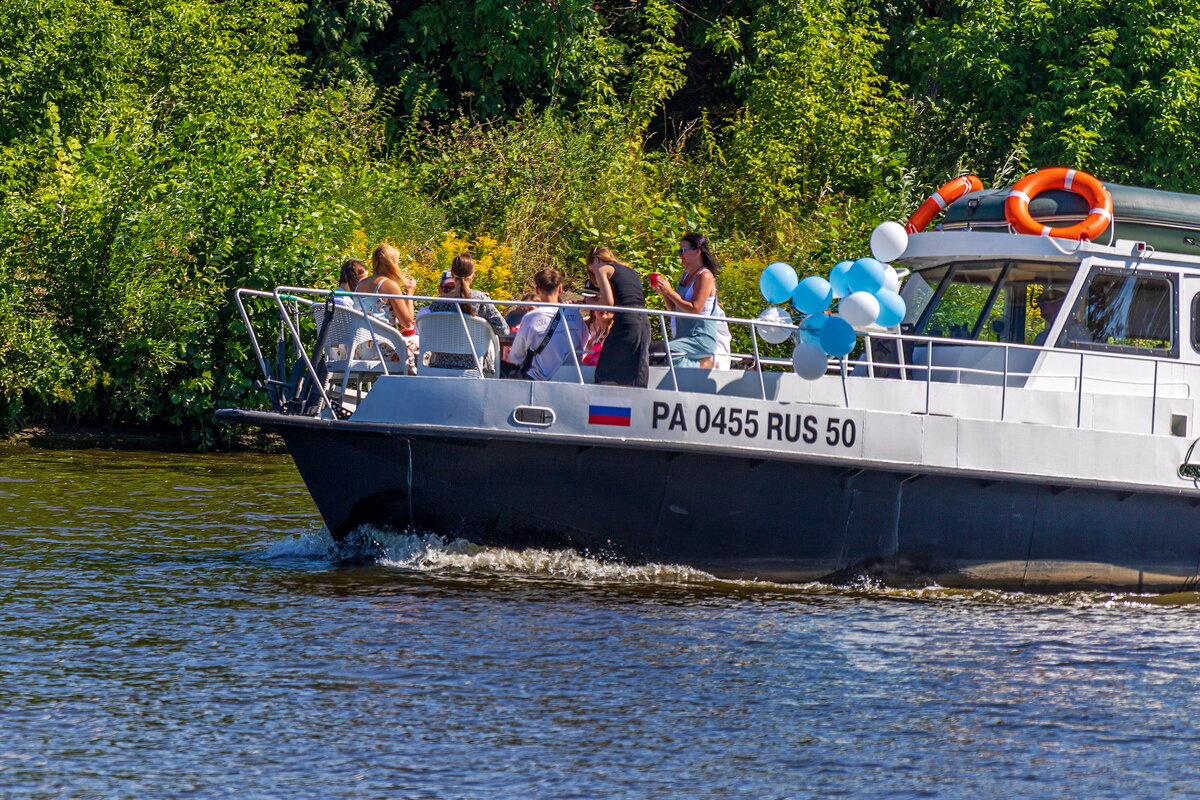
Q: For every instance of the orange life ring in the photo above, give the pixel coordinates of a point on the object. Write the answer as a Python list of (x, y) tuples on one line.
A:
[(940, 199), (1016, 207)]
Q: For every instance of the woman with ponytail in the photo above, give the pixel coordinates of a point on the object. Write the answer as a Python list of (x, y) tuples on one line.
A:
[(462, 273)]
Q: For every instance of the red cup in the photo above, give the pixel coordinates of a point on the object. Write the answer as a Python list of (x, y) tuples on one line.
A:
[(654, 276)]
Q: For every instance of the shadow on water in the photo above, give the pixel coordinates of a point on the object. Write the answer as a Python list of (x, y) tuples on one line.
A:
[(374, 561)]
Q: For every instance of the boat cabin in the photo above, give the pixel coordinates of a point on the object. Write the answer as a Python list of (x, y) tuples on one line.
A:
[(979, 287)]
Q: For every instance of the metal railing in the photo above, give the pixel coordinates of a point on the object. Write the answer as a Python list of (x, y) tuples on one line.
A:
[(1006, 374), (847, 368), (297, 295)]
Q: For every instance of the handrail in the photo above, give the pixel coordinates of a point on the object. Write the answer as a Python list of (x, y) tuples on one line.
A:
[(974, 371), (870, 362), (285, 317), (1039, 348), (1008, 346), (470, 339), (1084, 356), (237, 297), (662, 322), (539, 304), (752, 323)]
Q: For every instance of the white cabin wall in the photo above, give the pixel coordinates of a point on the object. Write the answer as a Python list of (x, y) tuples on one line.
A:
[(1189, 287)]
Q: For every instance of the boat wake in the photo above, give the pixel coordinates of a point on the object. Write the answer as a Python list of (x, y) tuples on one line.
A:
[(423, 552), (434, 553)]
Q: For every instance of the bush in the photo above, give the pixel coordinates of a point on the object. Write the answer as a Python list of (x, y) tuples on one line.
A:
[(219, 171)]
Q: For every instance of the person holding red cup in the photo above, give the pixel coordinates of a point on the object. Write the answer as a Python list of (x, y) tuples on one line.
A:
[(695, 340)]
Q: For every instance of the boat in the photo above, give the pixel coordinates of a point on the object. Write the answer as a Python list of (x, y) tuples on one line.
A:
[(979, 443)]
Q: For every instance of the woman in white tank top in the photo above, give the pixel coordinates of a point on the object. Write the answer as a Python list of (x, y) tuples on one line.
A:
[(695, 340)]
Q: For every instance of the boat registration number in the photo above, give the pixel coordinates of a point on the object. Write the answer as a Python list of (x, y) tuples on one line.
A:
[(750, 423)]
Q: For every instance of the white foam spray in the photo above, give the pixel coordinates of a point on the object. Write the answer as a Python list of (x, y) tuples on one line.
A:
[(428, 552), (434, 553)]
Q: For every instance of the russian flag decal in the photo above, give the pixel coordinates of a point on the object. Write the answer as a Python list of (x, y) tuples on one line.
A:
[(609, 415)]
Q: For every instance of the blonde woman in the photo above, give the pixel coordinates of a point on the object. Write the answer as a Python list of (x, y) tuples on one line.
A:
[(388, 278)]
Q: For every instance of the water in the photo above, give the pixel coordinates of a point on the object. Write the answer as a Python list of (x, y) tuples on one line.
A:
[(180, 626)]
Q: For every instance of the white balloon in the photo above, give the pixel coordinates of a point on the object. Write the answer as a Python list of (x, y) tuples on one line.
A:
[(774, 335), (891, 279), (889, 240), (859, 308), (809, 361)]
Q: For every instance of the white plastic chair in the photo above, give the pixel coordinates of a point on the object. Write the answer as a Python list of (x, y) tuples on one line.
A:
[(452, 333), (353, 342)]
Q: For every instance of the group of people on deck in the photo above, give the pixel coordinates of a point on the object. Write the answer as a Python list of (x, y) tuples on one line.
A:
[(617, 344)]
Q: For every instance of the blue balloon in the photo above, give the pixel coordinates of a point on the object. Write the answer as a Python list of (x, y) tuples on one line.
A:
[(866, 275), (837, 337), (812, 295), (891, 308), (837, 278), (809, 330), (777, 282)]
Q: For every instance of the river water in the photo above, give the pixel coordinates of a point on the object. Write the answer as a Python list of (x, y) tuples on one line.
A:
[(181, 626)]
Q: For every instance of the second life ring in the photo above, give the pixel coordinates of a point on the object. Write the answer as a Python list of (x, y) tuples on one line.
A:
[(1016, 207), (943, 197)]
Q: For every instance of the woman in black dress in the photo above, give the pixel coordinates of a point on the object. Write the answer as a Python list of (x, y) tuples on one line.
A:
[(625, 357)]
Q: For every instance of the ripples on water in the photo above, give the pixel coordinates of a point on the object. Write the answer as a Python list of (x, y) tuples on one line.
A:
[(182, 626)]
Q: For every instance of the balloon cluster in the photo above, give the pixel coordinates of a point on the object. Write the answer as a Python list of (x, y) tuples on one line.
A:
[(867, 291)]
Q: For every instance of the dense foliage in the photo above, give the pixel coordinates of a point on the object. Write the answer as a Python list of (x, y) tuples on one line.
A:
[(154, 154)]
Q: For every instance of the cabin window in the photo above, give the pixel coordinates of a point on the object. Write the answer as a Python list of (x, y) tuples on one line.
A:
[(1123, 311), (994, 301), (1196, 321)]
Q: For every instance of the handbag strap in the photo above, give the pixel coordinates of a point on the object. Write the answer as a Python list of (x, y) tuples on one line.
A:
[(530, 355)]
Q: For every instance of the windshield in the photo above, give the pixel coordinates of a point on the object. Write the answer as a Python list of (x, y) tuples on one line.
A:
[(997, 301)]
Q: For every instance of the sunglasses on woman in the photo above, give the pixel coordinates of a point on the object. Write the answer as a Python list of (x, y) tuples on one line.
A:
[(683, 250)]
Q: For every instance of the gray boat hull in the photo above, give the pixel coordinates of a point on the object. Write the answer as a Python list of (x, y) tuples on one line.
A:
[(742, 517)]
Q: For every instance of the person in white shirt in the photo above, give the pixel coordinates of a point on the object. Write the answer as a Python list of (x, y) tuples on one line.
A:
[(541, 340), (353, 271)]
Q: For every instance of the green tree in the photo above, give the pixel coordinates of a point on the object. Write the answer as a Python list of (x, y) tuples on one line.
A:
[(817, 117), (1114, 89), (196, 162)]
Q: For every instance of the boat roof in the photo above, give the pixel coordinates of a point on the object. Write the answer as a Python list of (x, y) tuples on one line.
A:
[(937, 247), (1168, 222)]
